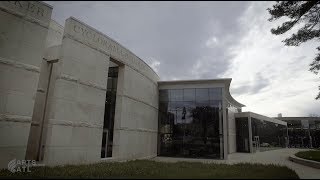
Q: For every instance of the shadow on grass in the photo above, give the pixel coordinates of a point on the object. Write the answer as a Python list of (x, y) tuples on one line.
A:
[(152, 169), (311, 155)]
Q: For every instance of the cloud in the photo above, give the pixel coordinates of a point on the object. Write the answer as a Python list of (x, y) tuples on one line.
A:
[(212, 42), (254, 86), (268, 77), (154, 64), (205, 40), (173, 32)]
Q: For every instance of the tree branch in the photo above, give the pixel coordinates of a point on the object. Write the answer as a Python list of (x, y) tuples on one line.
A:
[(279, 11)]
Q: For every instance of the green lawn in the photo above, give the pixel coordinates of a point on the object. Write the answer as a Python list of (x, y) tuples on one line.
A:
[(311, 155), (152, 169)]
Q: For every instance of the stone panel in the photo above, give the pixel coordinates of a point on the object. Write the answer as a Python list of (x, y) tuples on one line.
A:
[(16, 134), (22, 42), (140, 88), (10, 153), (77, 105)]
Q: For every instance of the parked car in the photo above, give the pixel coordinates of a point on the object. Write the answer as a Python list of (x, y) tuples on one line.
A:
[(265, 145)]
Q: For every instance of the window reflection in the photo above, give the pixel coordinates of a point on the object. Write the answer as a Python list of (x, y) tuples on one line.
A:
[(189, 123), (215, 93), (163, 95), (242, 134), (189, 95), (176, 95), (202, 94), (268, 134), (304, 133)]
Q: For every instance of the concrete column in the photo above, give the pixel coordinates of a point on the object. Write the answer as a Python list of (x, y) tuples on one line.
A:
[(225, 128), (39, 123), (40, 107), (288, 140)]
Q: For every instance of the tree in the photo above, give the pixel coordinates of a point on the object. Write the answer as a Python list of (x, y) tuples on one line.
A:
[(306, 12), (314, 115)]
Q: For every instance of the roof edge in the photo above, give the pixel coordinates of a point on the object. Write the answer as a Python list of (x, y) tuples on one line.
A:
[(230, 98)]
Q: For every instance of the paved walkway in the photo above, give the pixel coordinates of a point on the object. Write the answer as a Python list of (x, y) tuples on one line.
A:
[(279, 156)]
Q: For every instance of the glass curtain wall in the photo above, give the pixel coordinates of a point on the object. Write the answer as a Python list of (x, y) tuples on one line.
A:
[(304, 133), (269, 135), (190, 122), (314, 132)]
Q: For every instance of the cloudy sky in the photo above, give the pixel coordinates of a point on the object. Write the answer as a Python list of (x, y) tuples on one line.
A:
[(192, 40)]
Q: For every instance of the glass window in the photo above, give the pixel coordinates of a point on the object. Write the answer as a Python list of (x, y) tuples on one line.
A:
[(189, 95), (163, 95), (305, 124), (312, 124), (163, 107), (215, 93), (191, 126), (202, 94), (111, 94), (175, 105), (242, 133), (268, 135), (109, 83), (189, 109), (176, 95), (317, 125), (114, 84), (216, 103)]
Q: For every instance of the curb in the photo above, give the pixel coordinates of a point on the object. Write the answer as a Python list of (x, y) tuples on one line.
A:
[(305, 162)]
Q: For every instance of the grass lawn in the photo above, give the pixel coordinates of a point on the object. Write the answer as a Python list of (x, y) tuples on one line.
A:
[(311, 155), (152, 169)]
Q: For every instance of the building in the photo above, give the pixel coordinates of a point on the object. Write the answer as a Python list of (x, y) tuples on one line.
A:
[(263, 133), (303, 131), (70, 94)]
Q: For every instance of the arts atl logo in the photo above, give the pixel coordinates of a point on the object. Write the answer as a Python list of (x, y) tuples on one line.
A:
[(21, 165)]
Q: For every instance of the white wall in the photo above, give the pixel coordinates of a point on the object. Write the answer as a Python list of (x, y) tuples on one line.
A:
[(136, 120), (23, 32), (77, 105), (55, 34)]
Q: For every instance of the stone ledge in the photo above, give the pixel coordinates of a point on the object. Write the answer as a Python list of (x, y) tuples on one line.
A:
[(126, 159), (137, 129), (19, 65), (305, 162)]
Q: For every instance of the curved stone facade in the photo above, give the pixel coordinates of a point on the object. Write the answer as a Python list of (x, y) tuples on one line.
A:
[(77, 104), (54, 109)]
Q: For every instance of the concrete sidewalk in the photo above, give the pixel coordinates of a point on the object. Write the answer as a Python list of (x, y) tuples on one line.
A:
[(279, 156)]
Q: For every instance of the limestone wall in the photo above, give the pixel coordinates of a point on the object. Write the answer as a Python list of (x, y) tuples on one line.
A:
[(136, 119), (55, 34), (23, 31), (77, 104)]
